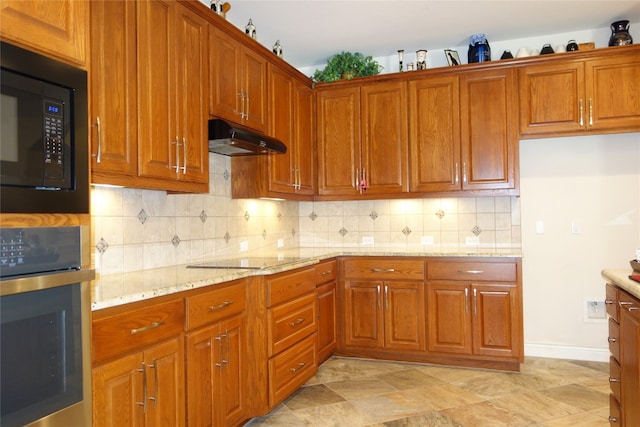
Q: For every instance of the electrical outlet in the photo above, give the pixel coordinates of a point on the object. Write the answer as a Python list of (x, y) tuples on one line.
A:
[(472, 240), (244, 246), (426, 240), (367, 240), (280, 243)]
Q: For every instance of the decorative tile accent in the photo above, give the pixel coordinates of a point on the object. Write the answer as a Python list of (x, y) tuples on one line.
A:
[(279, 216), (343, 231), (226, 175), (440, 213), (476, 230), (373, 215), (264, 234), (142, 216), (175, 241), (313, 216), (293, 232), (247, 216), (227, 237), (406, 231), (102, 246), (203, 216)]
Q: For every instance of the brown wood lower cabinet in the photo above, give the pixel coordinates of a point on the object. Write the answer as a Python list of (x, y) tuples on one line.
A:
[(326, 273)]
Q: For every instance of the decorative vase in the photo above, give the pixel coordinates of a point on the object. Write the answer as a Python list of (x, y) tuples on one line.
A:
[(479, 50), (620, 34)]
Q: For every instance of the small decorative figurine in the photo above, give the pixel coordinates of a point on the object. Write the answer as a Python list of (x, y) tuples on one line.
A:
[(250, 29), (421, 59), (216, 6), (277, 49), (572, 46), (400, 59)]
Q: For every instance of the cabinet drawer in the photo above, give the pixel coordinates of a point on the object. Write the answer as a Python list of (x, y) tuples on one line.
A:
[(291, 369), (614, 376), (137, 328), (472, 271), (614, 338), (215, 305), (615, 411), (290, 322), (383, 269), (611, 302), (287, 286), (326, 272)]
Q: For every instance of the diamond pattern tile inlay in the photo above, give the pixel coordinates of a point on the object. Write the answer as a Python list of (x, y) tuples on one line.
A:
[(440, 213), (247, 216), (226, 175), (476, 230), (175, 241), (203, 216), (279, 216), (227, 237), (373, 215), (102, 246), (264, 234), (343, 231), (142, 216), (313, 216), (406, 231), (293, 232)]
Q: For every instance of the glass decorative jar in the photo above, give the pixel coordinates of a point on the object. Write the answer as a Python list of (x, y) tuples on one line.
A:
[(620, 34)]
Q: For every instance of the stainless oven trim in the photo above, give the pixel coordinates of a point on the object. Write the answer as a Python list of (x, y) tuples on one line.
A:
[(79, 413)]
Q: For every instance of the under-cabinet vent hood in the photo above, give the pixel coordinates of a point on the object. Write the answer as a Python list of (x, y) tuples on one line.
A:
[(232, 140)]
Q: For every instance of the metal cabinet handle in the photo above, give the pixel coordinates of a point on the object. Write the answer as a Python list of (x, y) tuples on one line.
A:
[(220, 306), (609, 301), (457, 179), (464, 172), (633, 308), (241, 95), (612, 339), (382, 270), (324, 273), (475, 302), (357, 179), (581, 113), (624, 303), (590, 112), (177, 154), (147, 328), (471, 271), (386, 297), (300, 366), (184, 155), (246, 114), (144, 388), (613, 419), (154, 366), (99, 151), (297, 322), (226, 336), (220, 357), (378, 288), (466, 300), (614, 380)]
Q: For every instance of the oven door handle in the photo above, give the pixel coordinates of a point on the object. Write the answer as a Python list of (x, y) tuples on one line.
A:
[(31, 283)]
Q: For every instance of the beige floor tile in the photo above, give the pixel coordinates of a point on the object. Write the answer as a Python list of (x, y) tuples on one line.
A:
[(536, 406), (313, 395), (431, 419), (409, 378), (443, 396), (392, 406), (579, 396), (360, 387), (334, 415), (489, 387), (585, 419), (486, 414)]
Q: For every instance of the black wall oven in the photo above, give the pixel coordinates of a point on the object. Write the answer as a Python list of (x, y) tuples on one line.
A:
[(45, 310), (43, 134)]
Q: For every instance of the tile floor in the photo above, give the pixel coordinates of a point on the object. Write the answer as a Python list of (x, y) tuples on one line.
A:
[(366, 393)]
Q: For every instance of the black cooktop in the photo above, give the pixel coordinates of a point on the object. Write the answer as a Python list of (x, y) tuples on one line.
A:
[(247, 263)]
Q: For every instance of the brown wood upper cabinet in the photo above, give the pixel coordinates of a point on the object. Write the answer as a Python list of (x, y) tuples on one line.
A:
[(148, 102), (238, 81), (362, 140), (599, 94), (56, 28)]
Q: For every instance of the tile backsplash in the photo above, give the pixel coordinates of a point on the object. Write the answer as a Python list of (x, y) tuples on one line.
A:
[(141, 229)]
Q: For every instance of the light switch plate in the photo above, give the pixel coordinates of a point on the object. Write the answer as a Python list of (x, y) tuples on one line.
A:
[(244, 246)]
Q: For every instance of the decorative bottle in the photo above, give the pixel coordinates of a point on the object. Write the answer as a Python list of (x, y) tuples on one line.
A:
[(620, 34)]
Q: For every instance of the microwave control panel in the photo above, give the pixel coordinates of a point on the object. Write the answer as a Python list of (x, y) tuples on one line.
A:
[(53, 139)]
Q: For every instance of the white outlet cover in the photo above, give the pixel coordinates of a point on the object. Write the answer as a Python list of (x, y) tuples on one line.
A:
[(280, 243), (426, 240), (472, 240), (367, 240), (244, 246)]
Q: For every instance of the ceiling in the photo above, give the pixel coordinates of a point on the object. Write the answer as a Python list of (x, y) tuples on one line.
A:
[(310, 31)]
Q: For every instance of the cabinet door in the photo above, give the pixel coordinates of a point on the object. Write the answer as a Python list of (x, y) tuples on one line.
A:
[(404, 315), (303, 134), (224, 78), (58, 28), (495, 320), (552, 98), (118, 393), (113, 88), (630, 362), (157, 133), (327, 333), (449, 318), (613, 85), (254, 89), (192, 90), (202, 372), (165, 384), (488, 114), (281, 166), (384, 146), (434, 134), (363, 316), (338, 139), (233, 386)]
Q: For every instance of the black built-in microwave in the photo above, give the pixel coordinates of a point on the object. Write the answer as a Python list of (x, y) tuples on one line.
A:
[(44, 164)]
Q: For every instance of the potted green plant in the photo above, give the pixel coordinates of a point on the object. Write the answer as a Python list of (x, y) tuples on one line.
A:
[(346, 65)]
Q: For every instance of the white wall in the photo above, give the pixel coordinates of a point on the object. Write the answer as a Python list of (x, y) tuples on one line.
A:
[(594, 181)]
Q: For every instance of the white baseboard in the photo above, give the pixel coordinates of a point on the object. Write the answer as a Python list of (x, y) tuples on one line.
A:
[(567, 352)]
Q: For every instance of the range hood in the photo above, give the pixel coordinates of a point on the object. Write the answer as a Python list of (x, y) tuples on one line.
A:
[(233, 140)]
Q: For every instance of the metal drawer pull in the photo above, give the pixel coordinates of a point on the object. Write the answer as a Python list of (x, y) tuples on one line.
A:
[(297, 322), (623, 303), (383, 270), (146, 328), (218, 307), (324, 273), (144, 388), (609, 301), (614, 380), (613, 419), (471, 271), (155, 386), (300, 366), (632, 308), (611, 339)]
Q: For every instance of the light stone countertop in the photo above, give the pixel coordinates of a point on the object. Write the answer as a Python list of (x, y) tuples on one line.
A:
[(117, 289), (620, 277)]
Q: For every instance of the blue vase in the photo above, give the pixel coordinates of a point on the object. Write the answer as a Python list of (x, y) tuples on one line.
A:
[(479, 49)]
